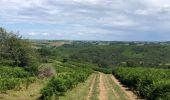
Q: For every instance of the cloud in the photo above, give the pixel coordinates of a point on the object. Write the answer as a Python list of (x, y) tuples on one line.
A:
[(84, 19), (37, 34), (32, 34)]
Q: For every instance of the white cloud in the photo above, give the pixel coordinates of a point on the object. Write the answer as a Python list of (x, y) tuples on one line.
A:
[(32, 34), (142, 12), (88, 17), (37, 34), (45, 34)]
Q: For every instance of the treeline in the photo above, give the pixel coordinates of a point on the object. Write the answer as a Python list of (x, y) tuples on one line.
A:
[(150, 83), (151, 55)]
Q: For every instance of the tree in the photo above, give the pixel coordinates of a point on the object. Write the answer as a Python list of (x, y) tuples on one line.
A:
[(15, 51)]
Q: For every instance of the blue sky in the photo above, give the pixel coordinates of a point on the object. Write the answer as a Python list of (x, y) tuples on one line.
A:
[(122, 20)]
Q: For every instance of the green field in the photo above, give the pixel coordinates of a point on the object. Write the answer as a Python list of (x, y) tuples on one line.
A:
[(83, 70)]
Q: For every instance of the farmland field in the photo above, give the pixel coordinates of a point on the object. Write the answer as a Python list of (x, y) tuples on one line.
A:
[(153, 84), (77, 81), (83, 70), (98, 86)]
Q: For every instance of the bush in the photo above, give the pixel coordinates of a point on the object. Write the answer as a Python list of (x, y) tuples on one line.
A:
[(6, 84), (59, 85), (13, 77), (153, 84), (16, 72), (161, 91), (104, 70)]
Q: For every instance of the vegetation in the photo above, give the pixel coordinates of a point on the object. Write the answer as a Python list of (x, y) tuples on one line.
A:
[(80, 92), (151, 83), (15, 51), (66, 64), (112, 54), (104, 70), (18, 61), (13, 77), (58, 85)]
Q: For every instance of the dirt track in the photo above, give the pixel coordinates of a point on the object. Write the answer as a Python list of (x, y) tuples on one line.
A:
[(111, 89), (102, 87)]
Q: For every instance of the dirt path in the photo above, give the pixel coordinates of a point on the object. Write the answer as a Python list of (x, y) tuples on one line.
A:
[(130, 95), (91, 88), (102, 88)]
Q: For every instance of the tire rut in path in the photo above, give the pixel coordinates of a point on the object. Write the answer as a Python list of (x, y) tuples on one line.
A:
[(91, 88), (102, 88)]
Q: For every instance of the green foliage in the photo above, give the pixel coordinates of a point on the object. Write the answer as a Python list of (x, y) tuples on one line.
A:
[(104, 70), (147, 82), (115, 54), (13, 77), (46, 53), (60, 84), (161, 91), (6, 84), (71, 66), (15, 51), (13, 72)]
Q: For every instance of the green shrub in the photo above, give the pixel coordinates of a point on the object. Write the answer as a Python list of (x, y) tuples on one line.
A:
[(153, 84), (9, 83), (104, 70), (59, 85), (161, 90), (11, 78), (16, 72)]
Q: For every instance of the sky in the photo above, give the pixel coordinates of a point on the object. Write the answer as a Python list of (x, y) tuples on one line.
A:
[(110, 20)]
